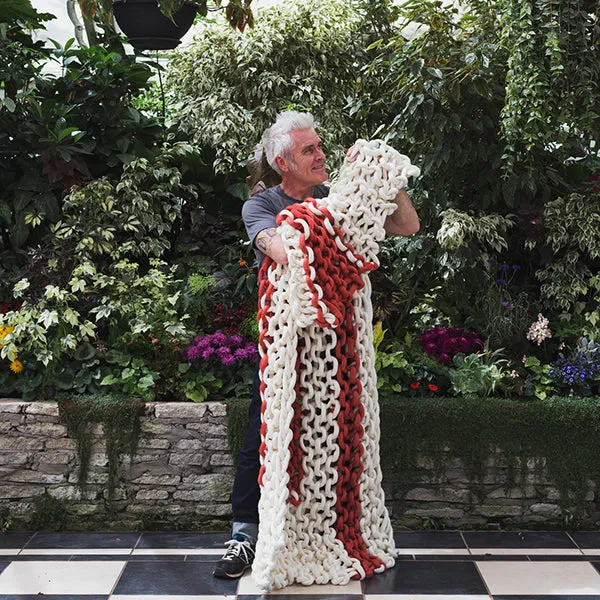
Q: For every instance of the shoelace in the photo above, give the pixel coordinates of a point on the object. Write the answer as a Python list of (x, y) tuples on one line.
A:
[(235, 548)]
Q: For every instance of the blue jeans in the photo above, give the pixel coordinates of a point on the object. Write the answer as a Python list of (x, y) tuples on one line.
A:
[(246, 491)]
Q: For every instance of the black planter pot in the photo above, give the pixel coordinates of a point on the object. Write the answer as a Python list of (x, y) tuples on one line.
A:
[(147, 28)]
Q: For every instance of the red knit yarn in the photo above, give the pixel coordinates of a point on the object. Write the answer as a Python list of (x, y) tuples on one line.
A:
[(338, 275)]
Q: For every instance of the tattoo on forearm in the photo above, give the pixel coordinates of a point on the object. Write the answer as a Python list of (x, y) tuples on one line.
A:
[(265, 239)]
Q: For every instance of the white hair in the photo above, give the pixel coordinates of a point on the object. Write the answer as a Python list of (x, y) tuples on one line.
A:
[(277, 140)]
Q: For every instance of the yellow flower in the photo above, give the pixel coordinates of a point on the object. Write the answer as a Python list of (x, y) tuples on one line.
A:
[(16, 366), (4, 331)]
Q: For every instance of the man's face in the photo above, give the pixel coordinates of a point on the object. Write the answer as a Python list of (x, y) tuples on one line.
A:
[(309, 158)]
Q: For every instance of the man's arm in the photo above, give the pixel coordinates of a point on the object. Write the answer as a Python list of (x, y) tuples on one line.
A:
[(404, 221), (269, 242)]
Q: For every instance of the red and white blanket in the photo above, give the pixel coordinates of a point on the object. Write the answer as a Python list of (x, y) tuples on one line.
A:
[(322, 509)]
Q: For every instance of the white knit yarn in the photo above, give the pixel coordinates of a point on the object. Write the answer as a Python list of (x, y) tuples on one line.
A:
[(299, 543)]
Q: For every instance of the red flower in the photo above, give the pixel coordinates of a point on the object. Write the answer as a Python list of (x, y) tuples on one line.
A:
[(432, 388), (415, 385)]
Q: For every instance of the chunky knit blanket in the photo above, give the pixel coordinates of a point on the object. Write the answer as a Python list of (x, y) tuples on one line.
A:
[(322, 511)]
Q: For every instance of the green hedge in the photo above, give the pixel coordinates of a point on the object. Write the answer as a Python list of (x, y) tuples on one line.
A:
[(563, 431)]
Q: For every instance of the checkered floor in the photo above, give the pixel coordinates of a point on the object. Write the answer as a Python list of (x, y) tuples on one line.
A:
[(445, 565)]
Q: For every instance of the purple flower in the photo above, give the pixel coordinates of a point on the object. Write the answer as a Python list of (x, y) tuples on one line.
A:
[(507, 304), (193, 352), (218, 338), (223, 351), (499, 281), (504, 267), (491, 260), (206, 354), (228, 361), (236, 340), (516, 267), (202, 342), (444, 359), (430, 349)]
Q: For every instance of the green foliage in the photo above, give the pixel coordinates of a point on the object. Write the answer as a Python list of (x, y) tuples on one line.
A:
[(540, 381), (121, 425), (49, 513), (552, 77), (299, 55), (572, 232), (469, 429), (477, 374), (136, 217)]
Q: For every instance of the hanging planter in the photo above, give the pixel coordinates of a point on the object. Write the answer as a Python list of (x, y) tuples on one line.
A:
[(147, 28)]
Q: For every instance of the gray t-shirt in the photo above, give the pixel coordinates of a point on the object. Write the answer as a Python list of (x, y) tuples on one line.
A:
[(260, 212)]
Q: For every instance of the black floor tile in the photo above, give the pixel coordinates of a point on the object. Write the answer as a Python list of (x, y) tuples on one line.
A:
[(427, 577), (586, 539), (77, 539), (14, 540), (172, 578), (573, 557), (3, 565), (517, 539), (36, 557), (468, 557), (183, 540), (429, 539)]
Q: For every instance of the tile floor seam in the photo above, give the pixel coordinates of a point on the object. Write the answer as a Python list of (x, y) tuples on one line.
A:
[(114, 587), (476, 565)]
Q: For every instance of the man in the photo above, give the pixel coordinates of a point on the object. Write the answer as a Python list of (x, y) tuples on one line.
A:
[(293, 149)]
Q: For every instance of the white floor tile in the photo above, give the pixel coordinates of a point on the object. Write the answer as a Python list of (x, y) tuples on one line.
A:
[(591, 551), (247, 586), (81, 551), (423, 597), (527, 551), (60, 577), (171, 597), (552, 577)]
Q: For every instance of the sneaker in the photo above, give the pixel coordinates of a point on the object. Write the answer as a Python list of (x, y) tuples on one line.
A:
[(236, 560)]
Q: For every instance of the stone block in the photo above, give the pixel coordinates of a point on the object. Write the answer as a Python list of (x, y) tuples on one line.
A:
[(218, 460), (29, 476), (152, 495), (194, 459), (98, 459), (208, 429), (21, 443), (444, 494), (61, 444), (217, 409), (157, 429), (148, 479), (5, 427), (437, 513), (83, 510), (184, 411), (497, 511), (216, 444), (118, 494), (155, 443), (55, 430), (548, 511), (42, 408), (57, 457), (213, 510), (9, 405), (190, 445), (14, 458), (93, 478), (20, 491)]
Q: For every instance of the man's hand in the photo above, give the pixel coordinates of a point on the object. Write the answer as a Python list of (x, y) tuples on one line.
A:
[(269, 242), (404, 221)]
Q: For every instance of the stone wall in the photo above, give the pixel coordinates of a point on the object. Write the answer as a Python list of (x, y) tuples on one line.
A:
[(180, 477), (182, 474)]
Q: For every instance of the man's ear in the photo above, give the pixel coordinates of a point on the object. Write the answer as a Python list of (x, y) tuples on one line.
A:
[(282, 163)]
